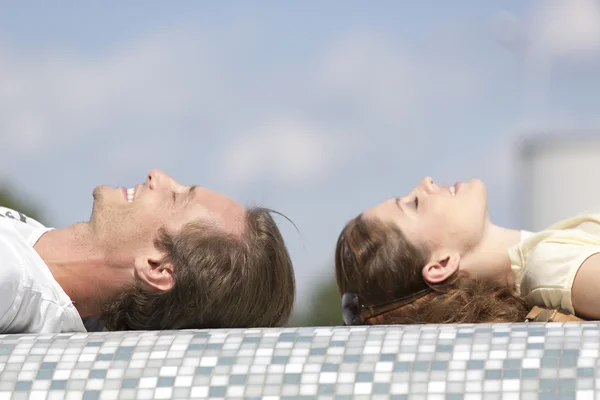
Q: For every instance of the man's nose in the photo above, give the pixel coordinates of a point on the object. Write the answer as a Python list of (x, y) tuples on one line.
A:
[(158, 179)]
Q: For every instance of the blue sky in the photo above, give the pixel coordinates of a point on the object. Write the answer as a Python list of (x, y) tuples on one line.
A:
[(316, 109)]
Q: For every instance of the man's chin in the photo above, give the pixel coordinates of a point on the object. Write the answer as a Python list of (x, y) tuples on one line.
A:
[(97, 193), (101, 192)]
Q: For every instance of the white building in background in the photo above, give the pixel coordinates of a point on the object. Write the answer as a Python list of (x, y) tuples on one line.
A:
[(558, 176)]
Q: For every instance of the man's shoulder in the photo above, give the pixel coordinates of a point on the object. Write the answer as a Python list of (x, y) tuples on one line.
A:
[(11, 278), (17, 216)]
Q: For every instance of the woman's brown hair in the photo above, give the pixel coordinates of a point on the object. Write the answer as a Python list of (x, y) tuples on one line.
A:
[(379, 275)]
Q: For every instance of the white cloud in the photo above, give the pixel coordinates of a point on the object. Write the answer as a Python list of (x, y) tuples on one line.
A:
[(395, 84), (50, 99), (556, 28), (366, 69), (147, 96), (567, 28), (285, 150)]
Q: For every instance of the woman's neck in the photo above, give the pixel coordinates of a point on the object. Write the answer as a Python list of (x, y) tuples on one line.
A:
[(490, 259)]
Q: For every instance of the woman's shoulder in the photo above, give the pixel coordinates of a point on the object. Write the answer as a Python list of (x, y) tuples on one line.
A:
[(547, 262)]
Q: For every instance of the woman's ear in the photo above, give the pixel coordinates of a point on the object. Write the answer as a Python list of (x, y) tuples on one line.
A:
[(441, 267)]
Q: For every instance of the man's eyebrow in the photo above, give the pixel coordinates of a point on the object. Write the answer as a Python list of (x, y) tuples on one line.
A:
[(192, 191)]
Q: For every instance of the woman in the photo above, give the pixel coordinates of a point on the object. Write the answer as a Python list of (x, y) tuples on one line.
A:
[(433, 256)]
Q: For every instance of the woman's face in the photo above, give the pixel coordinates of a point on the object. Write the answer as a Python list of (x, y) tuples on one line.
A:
[(438, 218)]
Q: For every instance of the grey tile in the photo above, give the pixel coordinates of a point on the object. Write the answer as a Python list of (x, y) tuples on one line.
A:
[(165, 381), (58, 385), (91, 395), (6, 349), (381, 388), (530, 373), (493, 374), (552, 353), (475, 364), (550, 362), (130, 383), (292, 378), (217, 391), (97, 374), (420, 366), (280, 360), (534, 346), (329, 367), (226, 361), (512, 364), (122, 357), (23, 385), (326, 389), (204, 370), (439, 365), (570, 353), (288, 337), (537, 332), (48, 365), (44, 374), (548, 385), (566, 385), (237, 379), (511, 374), (352, 358), (566, 362), (566, 395)]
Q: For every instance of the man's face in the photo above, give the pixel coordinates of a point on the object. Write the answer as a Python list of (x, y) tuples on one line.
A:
[(128, 220)]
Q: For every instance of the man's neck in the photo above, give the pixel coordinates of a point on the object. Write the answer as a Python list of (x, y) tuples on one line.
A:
[(82, 268), (490, 259)]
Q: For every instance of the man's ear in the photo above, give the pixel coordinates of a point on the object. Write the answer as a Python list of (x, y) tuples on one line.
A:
[(156, 271), (441, 267)]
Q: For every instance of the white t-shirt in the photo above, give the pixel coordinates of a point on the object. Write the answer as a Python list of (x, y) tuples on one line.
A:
[(31, 301)]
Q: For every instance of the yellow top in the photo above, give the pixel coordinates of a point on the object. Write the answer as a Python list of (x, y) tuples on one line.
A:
[(545, 263)]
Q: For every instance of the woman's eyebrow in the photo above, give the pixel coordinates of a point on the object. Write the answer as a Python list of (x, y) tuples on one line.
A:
[(399, 204)]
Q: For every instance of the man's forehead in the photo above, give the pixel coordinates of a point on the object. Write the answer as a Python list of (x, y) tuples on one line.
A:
[(227, 211)]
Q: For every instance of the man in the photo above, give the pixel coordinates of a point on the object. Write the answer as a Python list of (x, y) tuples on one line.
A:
[(157, 256)]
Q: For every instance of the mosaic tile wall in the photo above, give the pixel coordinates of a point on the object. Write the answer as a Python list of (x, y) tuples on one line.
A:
[(504, 361)]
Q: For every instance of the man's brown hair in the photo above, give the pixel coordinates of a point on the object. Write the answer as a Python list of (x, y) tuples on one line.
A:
[(379, 275), (222, 280)]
